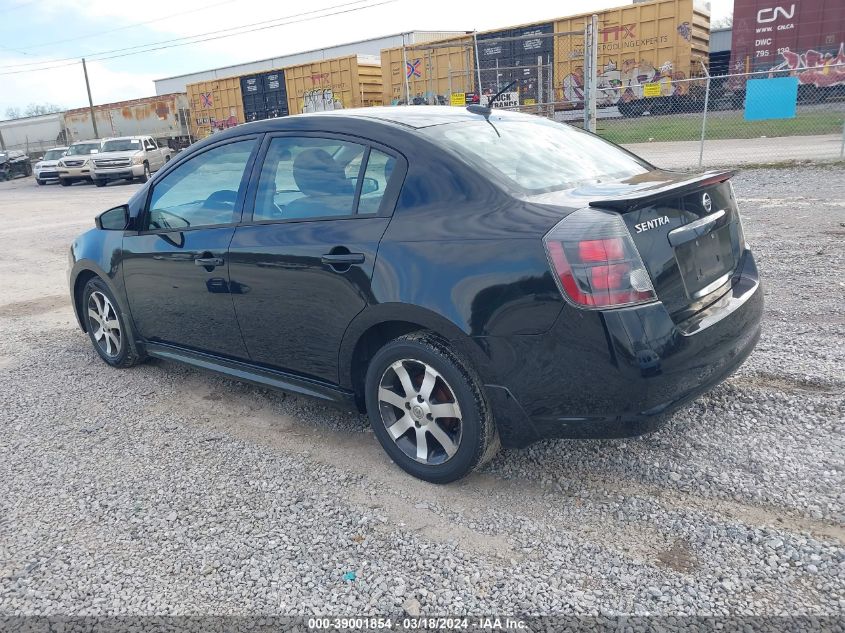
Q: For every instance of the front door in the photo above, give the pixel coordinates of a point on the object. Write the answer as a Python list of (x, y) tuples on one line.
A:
[(175, 268), (304, 262)]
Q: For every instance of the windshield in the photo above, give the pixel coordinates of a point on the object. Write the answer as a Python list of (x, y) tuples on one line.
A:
[(54, 154), (536, 156), (83, 149), (122, 145)]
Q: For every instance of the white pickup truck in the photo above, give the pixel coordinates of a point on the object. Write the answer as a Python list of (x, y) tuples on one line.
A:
[(127, 158)]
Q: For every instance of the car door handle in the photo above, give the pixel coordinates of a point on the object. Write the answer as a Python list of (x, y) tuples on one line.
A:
[(343, 259), (209, 261)]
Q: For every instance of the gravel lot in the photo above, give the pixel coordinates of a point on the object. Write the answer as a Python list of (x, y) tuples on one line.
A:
[(164, 490)]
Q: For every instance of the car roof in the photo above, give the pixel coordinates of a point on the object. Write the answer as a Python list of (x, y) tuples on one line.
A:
[(90, 140), (418, 116), (124, 138), (50, 149)]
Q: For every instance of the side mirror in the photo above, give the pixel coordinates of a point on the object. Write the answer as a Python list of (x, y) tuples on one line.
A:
[(370, 185), (116, 219)]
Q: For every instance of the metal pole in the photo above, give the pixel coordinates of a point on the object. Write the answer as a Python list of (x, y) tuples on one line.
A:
[(594, 64), (477, 65), (450, 79), (90, 102), (704, 115), (2, 142), (539, 83), (841, 148)]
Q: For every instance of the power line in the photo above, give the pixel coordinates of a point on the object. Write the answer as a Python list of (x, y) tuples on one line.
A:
[(120, 28), (285, 20)]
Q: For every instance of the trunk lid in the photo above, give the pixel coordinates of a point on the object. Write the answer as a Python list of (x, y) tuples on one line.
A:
[(690, 248), (688, 232)]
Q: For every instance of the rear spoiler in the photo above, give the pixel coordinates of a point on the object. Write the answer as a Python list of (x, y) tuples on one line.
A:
[(680, 187)]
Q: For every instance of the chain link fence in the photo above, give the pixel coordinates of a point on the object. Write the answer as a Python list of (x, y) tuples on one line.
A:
[(712, 121), (669, 118)]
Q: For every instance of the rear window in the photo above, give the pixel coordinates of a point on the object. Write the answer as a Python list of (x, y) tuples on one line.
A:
[(536, 156)]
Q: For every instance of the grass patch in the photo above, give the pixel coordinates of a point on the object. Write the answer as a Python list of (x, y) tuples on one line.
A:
[(720, 125)]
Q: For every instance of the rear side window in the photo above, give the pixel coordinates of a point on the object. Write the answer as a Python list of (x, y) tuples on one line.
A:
[(308, 177), (535, 156), (202, 191)]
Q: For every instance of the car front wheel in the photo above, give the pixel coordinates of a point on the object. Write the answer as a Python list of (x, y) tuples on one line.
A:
[(146, 175), (428, 410), (107, 328)]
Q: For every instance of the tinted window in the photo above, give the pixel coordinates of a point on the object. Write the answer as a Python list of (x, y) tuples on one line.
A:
[(379, 169), (54, 154), (536, 156), (202, 191), (308, 178)]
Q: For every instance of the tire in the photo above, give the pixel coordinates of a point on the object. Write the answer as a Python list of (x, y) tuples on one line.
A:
[(116, 348), (66, 182), (428, 360), (39, 181), (27, 170), (100, 183), (146, 175)]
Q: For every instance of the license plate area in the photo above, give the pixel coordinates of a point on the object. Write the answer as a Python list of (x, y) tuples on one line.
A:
[(706, 262)]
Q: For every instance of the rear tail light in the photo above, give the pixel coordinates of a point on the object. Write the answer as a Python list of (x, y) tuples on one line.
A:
[(595, 261)]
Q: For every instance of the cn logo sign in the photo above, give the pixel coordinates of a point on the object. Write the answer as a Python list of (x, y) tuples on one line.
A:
[(771, 14)]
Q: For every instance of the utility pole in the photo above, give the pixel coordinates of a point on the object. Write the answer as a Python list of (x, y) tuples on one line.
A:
[(90, 102)]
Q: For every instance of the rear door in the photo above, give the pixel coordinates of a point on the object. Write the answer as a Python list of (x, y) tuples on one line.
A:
[(175, 268), (303, 259)]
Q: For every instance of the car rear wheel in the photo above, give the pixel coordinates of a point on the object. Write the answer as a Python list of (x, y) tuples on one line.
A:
[(428, 410), (107, 328)]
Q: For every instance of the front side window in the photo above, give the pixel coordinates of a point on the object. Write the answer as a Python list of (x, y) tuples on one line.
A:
[(203, 191), (535, 156)]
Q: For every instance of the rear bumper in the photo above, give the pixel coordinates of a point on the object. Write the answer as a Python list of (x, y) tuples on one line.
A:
[(621, 372)]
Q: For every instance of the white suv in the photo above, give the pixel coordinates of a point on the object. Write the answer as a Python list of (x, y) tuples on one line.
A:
[(128, 157), (47, 167)]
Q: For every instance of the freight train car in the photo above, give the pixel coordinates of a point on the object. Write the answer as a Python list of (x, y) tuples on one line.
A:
[(661, 43), (216, 104), (344, 82), (804, 38), (33, 134), (163, 117)]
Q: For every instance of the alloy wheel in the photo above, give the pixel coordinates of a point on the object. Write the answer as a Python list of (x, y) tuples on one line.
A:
[(103, 321), (420, 411)]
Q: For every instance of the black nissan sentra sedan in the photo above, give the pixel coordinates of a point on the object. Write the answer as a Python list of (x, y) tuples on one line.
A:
[(468, 278)]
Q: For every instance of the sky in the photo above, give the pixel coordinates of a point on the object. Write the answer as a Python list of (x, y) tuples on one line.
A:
[(37, 34)]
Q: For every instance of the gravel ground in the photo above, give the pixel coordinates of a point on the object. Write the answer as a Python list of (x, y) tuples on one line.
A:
[(164, 490)]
